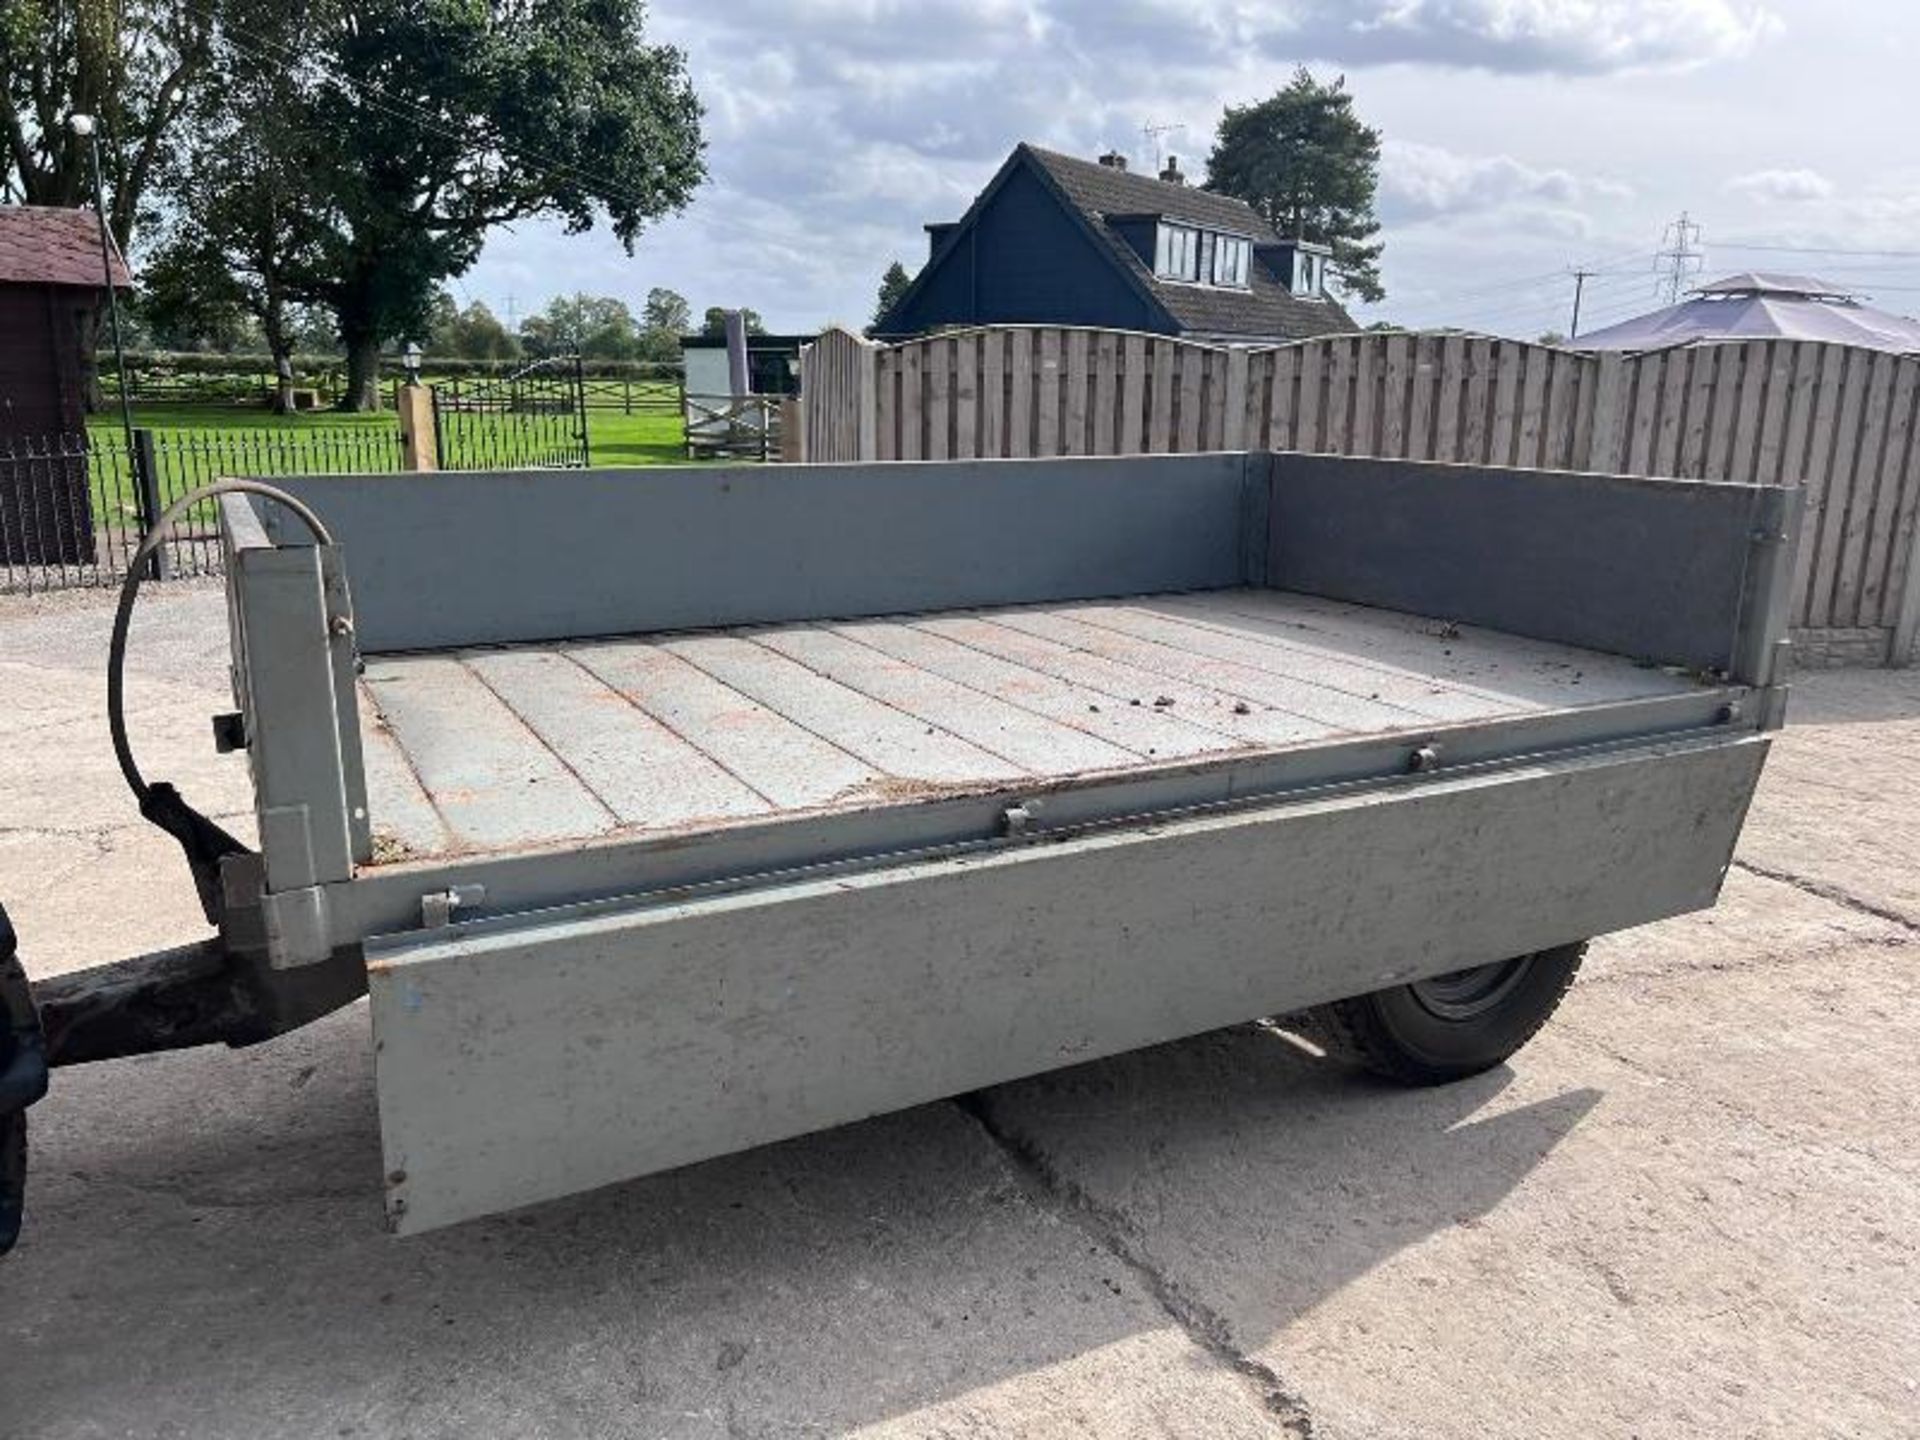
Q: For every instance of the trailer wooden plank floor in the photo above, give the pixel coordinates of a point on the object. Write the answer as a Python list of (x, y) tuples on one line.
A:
[(487, 749)]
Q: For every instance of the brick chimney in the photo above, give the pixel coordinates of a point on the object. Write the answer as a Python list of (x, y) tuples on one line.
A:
[(1114, 160), (1172, 173)]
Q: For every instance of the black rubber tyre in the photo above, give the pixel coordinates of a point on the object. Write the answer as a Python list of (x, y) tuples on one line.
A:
[(1451, 1026)]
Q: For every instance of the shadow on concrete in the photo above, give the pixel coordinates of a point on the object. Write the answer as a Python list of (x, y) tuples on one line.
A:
[(1260, 1178), (205, 1253)]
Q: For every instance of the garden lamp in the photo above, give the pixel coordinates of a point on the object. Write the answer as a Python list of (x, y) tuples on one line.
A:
[(410, 357)]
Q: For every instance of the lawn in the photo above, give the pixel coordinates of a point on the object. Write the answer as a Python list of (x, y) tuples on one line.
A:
[(195, 444), (614, 438)]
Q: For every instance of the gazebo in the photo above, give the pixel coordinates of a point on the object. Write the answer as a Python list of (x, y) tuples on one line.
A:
[(1757, 305)]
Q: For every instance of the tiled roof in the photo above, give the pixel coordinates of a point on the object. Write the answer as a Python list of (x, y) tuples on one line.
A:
[(1267, 309), (46, 245)]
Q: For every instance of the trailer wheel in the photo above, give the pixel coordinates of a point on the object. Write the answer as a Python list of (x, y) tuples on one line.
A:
[(1450, 1026)]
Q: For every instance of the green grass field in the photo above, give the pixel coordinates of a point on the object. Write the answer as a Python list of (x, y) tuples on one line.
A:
[(197, 443), (613, 438)]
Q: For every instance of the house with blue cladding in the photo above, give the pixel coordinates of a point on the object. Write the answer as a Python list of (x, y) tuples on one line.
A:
[(1054, 240)]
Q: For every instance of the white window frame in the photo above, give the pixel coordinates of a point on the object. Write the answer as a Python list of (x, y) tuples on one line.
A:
[(1230, 258), (1195, 256), (1307, 268), (1176, 252)]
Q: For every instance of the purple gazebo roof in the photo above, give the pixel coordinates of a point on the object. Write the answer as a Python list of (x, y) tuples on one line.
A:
[(1757, 305)]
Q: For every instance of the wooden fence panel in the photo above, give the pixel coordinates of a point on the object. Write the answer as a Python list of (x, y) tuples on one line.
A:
[(1191, 364), (936, 399), (1887, 554), (1133, 395), (1609, 409), (1824, 440), (1020, 400), (993, 394), (1697, 405), (1855, 590), (1842, 423), (1106, 383)]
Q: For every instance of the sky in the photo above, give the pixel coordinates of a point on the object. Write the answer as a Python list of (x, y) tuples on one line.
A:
[(1521, 139)]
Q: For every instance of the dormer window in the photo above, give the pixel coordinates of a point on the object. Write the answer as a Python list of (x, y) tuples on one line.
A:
[(1306, 274), (1230, 261), (1200, 257), (1176, 253)]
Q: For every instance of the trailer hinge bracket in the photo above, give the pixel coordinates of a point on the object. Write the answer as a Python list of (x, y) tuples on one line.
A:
[(437, 907), (1018, 820), (297, 925)]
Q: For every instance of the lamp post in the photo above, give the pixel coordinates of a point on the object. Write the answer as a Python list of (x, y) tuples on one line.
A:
[(86, 128), (410, 358)]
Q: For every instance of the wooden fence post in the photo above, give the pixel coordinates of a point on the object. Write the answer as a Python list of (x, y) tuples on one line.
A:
[(1609, 414), (793, 426), (1234, 430), (839, 397), (418, 450)]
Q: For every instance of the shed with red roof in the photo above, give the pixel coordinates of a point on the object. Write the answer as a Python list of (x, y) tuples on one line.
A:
[(53, 278), (52, 283)]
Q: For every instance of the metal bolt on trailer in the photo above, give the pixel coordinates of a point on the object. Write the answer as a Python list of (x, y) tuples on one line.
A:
[(777, 800)]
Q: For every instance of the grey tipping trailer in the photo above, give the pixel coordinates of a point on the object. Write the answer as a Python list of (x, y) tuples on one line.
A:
[(663, 813)]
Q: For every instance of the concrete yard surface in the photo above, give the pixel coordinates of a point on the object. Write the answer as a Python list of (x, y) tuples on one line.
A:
[(1690, 1208)]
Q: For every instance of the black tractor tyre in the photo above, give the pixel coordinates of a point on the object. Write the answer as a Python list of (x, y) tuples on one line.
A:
[(1451, 1026)]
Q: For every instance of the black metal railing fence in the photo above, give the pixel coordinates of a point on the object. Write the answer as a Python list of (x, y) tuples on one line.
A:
[(535, 417), (75, 507)]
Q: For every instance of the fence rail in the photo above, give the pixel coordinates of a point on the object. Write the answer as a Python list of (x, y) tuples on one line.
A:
[(1844, 422), (733, 427), (193, 379), (662, 395)]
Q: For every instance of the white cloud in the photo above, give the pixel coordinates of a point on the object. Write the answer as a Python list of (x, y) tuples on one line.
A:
[(1562, 36), (1428, 182), (1788, 185), (837, 127), (1522, 36)]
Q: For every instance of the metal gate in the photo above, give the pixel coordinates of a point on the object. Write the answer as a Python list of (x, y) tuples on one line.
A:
[(535, 417)]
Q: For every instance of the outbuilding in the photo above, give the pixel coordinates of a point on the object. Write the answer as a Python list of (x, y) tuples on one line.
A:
[(53, 282), (52, 285)]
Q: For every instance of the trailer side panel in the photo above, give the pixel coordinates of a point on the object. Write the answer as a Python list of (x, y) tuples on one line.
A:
[(523, 1063)]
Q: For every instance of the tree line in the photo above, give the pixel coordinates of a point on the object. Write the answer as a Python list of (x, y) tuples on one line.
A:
[(595, 327), (305, 166)]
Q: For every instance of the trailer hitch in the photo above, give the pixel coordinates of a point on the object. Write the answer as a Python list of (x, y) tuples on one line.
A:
[(23, 1079), (191, 995)]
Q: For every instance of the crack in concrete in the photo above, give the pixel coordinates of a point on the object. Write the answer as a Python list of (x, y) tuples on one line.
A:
[(102, 834), (1745, 965), (1205, 1327), (95, 835), (197, 1195), (1576, 1034), (1821, 890)]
